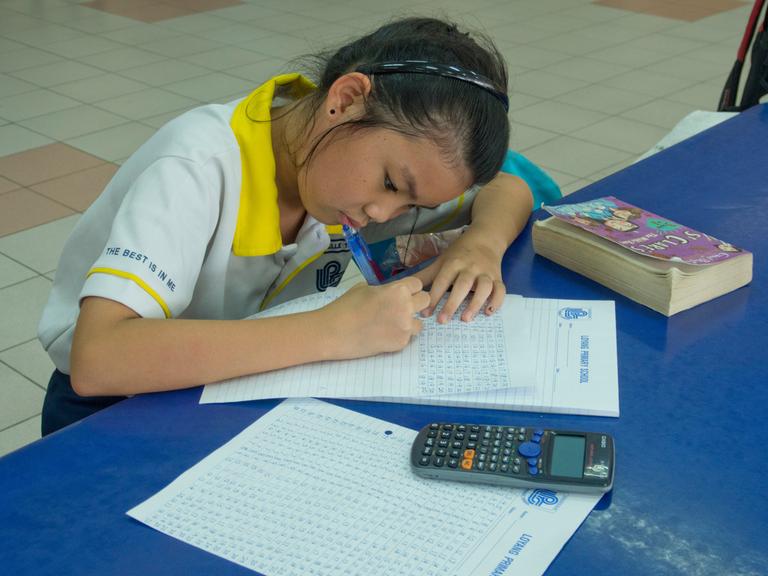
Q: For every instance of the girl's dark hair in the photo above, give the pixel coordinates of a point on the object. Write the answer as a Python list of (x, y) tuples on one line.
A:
[(467, 122)]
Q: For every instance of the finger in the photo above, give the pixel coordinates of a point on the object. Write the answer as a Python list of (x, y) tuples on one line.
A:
[(497, 298), (440, 286), (427, 275), (416, 327), (420, 301), (461, 287), (483, 290), (412, 283)]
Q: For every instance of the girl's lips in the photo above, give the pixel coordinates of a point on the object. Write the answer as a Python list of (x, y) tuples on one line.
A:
[(349, 221)]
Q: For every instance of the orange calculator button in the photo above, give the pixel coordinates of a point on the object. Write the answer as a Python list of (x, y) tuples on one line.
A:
[(466, 464), (469, 454)]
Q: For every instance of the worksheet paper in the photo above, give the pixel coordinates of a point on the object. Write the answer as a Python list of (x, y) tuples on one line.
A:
[(452, 358), (562, 354), (573, 347), (312, 489)]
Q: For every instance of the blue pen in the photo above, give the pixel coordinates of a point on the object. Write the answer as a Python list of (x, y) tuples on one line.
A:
[(362, 256)]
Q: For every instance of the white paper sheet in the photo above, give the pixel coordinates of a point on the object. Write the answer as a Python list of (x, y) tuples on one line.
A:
[(312, 489), (574, 344), (562, 354), (453, 358)]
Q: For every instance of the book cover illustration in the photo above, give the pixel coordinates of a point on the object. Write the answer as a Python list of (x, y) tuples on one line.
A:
[(645, 233)]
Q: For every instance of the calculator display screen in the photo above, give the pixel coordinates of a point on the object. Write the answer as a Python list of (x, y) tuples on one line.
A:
[(568, 456)]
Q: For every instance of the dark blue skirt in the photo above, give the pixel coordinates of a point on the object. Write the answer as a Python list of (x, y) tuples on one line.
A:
[(62, 405)]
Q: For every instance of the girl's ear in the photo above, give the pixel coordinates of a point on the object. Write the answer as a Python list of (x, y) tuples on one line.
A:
[(346, 97)]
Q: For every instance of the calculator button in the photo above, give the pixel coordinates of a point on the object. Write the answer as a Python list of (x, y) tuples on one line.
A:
[(539, 432), (427, 451), (521, 437), (504, 467), (457, 444), (453, 462), (492, 466), (516, 461), (466, 463), (531, 461), (443, 452), (429, 442), (455, 453), (432, 433), (469, 454), (424, 461), (459, 435), (480, 466), (475, 428), (529, 450), (443, 443), (536, 439), (471, 444), (438, 461), (447, 426), (532, 470), (516, 469), (461, 428), (445, 434)]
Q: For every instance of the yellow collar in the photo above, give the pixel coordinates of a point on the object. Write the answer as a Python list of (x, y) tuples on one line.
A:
[(258, 218)]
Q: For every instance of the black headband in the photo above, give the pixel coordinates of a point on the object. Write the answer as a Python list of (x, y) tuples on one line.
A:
[(444, 70)]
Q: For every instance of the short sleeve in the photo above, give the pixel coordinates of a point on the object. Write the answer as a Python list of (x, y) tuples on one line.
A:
[(158, 240)]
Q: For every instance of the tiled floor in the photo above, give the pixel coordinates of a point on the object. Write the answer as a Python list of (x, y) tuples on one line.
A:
[(82, 84)]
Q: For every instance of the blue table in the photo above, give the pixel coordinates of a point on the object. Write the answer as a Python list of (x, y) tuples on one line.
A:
[(689, 493)]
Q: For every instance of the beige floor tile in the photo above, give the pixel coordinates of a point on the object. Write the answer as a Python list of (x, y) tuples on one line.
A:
[(557, 117), (575, 157), (211, 87), (145, 103), (45, 163), (20, 435), (21, 306), (30, 360), (587, 69), (73, 122), (224, 58), (6, 185), (10, 86), (702, 96), (690, 68), (27, 398), (39, 248), (57, 73), (532, 57), (14, 139), (195, 23), (78, 190), (83, 45), (114, 143), (575, 186), (661, 113), (645, 81), (11, 272), (100, 87), (622, 134), (181, 46), (523, 136), (165, 72), (34, 103), (102, 23), (545, 85), (44, 34), (601, 98), (122, 58), (626, 56), (260, 70), (26, 58), (22, 209)]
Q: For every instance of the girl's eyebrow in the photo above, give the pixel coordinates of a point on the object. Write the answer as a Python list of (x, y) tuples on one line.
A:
[(410, 184)]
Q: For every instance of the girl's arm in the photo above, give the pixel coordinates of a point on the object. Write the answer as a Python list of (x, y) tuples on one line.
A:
[(116, 352), (473, 262)]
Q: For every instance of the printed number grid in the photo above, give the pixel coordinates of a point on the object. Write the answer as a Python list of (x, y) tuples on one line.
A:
[(455, 360), (300, 499)]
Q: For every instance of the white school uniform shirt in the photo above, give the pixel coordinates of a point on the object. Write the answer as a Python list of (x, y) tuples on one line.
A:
[(161, 238)]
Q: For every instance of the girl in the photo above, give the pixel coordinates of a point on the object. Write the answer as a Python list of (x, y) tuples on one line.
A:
[(233, 208)]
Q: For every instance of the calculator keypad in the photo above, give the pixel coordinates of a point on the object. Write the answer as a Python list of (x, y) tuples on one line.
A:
[(490, 449)]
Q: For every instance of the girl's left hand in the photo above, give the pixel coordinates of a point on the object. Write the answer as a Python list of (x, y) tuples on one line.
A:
[(470, 266)]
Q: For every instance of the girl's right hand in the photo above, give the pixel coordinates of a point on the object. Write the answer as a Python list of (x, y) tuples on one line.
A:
[(368, 320)]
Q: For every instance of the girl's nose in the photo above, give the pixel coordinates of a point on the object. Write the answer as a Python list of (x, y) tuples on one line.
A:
[(384, 210)]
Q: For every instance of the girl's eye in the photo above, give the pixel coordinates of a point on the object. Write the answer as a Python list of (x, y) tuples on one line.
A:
[(388, 184)]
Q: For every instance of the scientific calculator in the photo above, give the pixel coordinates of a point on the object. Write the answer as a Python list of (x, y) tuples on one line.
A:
[(515, 456)]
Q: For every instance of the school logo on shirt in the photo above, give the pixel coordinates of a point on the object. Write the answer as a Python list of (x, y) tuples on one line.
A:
[(328, 276)]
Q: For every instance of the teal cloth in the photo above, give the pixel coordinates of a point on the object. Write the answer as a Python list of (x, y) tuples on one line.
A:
[(544, 189)]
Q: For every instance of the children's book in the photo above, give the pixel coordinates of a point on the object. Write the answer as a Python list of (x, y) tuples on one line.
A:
[(646, 257)]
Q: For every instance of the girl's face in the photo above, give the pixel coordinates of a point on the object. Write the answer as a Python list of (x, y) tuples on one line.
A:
[(373, 175)]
